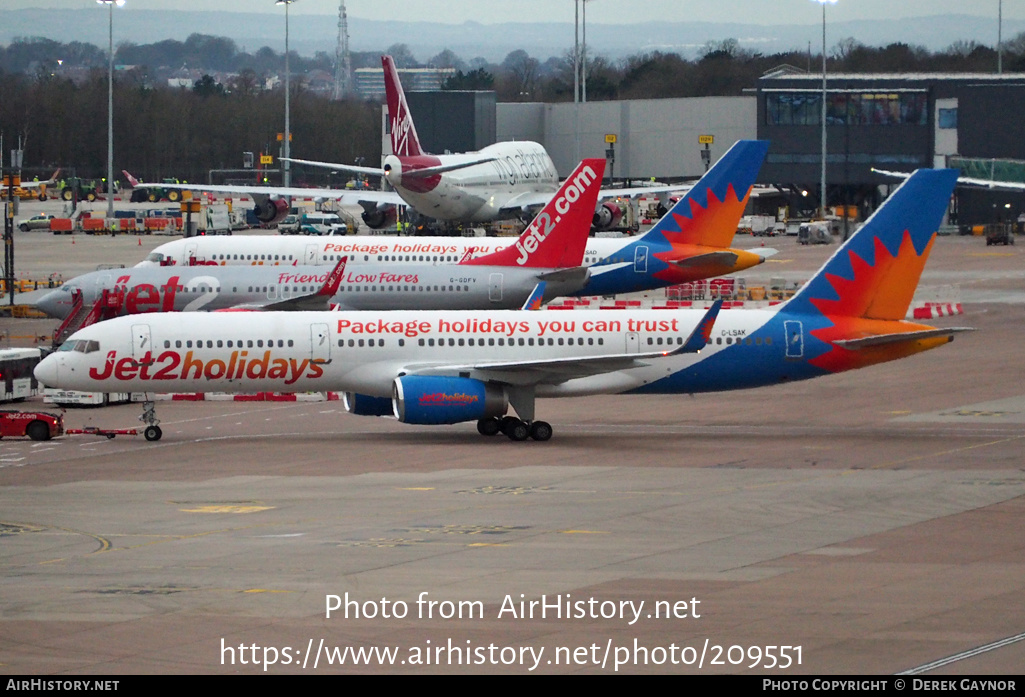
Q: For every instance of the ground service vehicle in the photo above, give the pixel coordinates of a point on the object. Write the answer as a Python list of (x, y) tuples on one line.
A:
[(37, 425), (16, 379)]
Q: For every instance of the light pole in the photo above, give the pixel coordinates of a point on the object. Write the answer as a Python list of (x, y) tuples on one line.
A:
[(110, 106), (583, 58), (822, 183), (1000, 31), (286, 169)]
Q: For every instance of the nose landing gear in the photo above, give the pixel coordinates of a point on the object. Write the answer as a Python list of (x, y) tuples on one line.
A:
[(149, 417)]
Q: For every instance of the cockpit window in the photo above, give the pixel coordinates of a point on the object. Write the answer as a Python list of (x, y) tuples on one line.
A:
[(155, 257), (81, 346)]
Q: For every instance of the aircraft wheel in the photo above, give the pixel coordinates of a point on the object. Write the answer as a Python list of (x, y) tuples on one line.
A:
[(541, 430), (518, 431), (506, 422), (153, 433), (488, 427), (37, 430)]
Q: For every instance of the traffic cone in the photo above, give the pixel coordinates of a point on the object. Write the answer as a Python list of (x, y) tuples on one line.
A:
[(140, 241)]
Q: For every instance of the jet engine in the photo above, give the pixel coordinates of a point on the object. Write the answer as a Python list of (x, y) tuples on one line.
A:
[(446, 400), (268, 210), (379, 216), (365, 405), (607, 215)]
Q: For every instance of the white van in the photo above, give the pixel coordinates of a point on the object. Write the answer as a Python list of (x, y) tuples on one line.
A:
[(322, 224)]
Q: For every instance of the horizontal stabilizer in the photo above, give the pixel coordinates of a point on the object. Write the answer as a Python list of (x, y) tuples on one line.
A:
[(336, 165), (886, 339), (441, 169), (723, 258), (572, 274)]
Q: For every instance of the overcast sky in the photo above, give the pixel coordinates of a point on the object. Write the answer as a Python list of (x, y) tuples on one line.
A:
[(601, 11)]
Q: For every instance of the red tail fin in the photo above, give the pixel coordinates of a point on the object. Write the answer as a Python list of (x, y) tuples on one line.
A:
[(557, 237), (131, 180), (404, 140)]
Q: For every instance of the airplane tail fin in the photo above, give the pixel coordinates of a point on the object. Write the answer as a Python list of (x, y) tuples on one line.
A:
[(131, 180), (708, 214), (874, 274), (404, 141), (557, 237)]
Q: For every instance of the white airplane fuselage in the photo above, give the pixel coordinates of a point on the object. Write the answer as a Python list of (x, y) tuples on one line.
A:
[(478, 193), (371, 286), (364, 352)]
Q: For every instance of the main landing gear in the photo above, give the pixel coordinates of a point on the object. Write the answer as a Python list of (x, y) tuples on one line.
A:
[(149, 417), (515, 429)]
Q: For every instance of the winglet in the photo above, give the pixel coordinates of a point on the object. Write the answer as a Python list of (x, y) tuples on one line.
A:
[(698, 338), (131, 180), (334, 279), (536, 296), (557, 237), (404, 141)]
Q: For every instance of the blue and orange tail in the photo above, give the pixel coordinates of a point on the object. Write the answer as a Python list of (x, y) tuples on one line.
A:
[(708, 214), (404, 141), (557, 237), (875, 273)]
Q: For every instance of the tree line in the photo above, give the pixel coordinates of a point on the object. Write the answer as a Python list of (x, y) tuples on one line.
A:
[(173, 132)]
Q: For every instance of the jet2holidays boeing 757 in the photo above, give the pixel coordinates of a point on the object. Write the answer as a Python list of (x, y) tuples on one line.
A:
[(449, 367)]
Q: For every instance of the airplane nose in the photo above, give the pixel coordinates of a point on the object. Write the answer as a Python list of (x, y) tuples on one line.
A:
[(51, 304), (46, 371)]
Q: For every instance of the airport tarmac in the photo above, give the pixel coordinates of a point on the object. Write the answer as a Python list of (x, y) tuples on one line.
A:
[(871, 519)]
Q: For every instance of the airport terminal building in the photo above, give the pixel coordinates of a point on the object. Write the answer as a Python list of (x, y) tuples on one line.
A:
[(885, 121)]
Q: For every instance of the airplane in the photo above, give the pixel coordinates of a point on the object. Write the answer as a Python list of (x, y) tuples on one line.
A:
[(505, 180), (451, 367), (550, 249), (691, 242)]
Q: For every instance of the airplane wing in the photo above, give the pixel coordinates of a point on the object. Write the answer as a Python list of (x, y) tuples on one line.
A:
[(556, 370), (349, 196), (884, 339), (970, 181), (418, 173), (32, 185)]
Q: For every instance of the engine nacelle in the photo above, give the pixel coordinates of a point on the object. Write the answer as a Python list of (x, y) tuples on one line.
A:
[(607, 215), (269, 211), (365, 405), (379, 216), (445, 400)]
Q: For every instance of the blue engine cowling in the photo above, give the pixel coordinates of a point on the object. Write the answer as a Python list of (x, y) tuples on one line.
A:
[(444, 400), (365, 405)]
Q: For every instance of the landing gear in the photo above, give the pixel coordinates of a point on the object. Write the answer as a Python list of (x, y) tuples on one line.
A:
[(149, 417), (515, 429)]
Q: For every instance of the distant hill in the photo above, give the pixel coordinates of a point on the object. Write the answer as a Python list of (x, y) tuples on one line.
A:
[(311, 33)]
